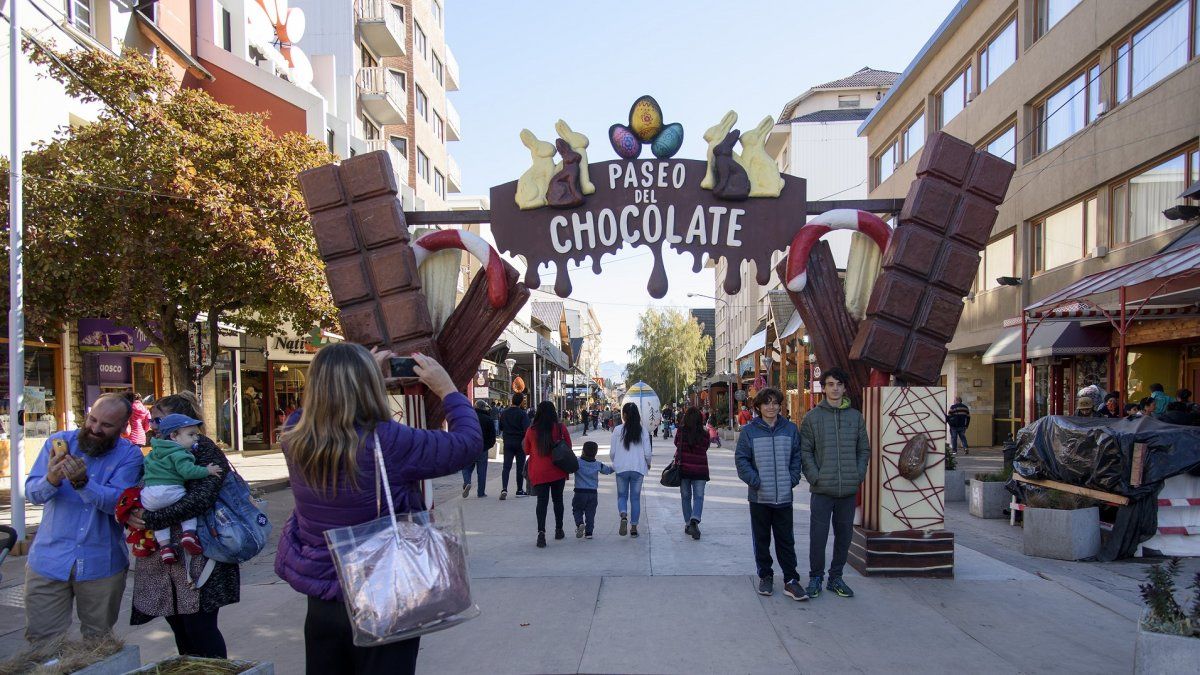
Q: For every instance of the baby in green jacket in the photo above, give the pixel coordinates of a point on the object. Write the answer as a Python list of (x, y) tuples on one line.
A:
[(168, 465)]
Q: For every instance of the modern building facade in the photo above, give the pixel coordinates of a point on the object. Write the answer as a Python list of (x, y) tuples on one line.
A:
[(1096, 103)]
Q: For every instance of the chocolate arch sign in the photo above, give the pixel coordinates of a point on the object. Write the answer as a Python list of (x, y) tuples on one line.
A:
[(652, 203)]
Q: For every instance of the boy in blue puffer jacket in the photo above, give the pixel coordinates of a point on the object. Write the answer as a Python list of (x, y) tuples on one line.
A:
[(768, 460), (587, 481)]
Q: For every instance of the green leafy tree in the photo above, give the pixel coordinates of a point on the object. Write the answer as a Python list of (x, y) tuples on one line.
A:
[(168, 207), (669, 352)]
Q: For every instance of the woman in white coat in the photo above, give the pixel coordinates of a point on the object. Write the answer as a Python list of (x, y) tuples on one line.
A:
[(630, 450)]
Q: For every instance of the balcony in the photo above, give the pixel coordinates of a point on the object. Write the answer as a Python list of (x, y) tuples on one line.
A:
[(399, 162), (381, 95), (453, 175), (381, 26), (451, 66), (453, 123)]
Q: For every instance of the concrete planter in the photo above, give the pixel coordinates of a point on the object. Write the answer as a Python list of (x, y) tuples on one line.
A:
[(129, 658), (265, 668), (987, 500), (956, 486), (1156, 653), (1062, 534)]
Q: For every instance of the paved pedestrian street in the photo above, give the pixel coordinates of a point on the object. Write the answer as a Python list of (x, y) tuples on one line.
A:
[(665, 603)]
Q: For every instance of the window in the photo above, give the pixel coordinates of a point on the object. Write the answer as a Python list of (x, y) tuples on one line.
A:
[(1000, 53), (439, 184), (370, 130), (997, 261), (436, 8), (329, 138), (423, 165), (1064, 236), (368, 59), (886, 163), (399, 9), (850, 101), (400, 78), (420, 43), (953, 98), (422, 104), (439, 127), (1152, 53), (79, 14), (1068, 110), (1049, 12), (400, 143), (1138, 201), (438, 73), (226, 30), (913, 138), (1004, 146)]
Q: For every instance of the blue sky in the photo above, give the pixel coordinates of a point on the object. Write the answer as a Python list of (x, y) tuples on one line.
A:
[(526, 64)]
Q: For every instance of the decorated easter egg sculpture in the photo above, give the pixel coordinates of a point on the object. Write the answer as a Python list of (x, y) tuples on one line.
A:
[(647, 402), (646, 126)]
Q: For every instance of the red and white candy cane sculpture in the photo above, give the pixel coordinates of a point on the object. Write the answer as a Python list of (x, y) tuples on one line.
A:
[(476, 246), (812, 231)]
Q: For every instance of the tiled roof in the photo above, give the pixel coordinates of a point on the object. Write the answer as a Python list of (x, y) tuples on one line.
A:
[(549, 313), (865, 77), (839, 115), (781, 309)]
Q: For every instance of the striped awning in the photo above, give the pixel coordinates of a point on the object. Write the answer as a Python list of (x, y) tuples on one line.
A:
[(1052, 339)]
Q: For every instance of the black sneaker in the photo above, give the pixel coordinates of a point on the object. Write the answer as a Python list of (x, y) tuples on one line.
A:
[(633, 532), (587, 535), (794, 590), (624, 525), (522, 493), (695, 528), (766, 585), (814, 587), (559, 534), (541, 540), (838, 586), (466, 490), (579, 531), (503, 495)]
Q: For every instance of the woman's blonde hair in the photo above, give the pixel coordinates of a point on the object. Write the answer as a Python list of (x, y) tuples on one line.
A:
[(344, 394)]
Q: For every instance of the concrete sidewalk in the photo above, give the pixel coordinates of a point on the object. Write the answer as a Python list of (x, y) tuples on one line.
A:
[(666, 603)]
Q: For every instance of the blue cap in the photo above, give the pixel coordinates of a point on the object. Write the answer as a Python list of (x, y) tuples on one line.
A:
[(174, 422)]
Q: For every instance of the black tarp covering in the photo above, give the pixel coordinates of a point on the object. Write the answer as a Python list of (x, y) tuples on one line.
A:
[(1097, 453)]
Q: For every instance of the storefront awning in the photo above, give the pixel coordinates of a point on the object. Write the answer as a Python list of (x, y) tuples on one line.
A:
[(1171, 278), (1050, 339), (755, 343), (553, 354)]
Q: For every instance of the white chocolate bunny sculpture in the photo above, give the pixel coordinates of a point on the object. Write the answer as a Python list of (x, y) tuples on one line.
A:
[(765, 180), (531, 186)]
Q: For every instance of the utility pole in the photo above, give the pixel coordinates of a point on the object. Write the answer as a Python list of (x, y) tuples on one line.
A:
[(16, 275)]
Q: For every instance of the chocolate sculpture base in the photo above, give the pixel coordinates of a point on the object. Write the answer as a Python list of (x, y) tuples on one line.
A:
[(905, 553)]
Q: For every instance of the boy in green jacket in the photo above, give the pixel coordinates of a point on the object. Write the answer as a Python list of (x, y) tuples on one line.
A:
[(834, 449), (168, 465)]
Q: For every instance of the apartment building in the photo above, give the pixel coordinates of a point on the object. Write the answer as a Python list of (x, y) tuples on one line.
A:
[(815, 138), (389, 74), (1096, 103)]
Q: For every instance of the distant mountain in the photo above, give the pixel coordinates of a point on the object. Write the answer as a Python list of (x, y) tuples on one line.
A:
[(611, 370)]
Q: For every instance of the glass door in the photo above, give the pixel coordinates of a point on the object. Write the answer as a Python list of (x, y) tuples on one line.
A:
[(1010, 401), (147, 377)]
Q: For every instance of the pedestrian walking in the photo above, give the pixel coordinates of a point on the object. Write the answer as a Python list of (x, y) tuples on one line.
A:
[(691, 454), (958, 418), (329, 445), (546, 480), (79, 554), (630, 449), (835, 449), (587, 483), (139, 420), (170, 591), (513, 424), (768, 460), (488, 426)]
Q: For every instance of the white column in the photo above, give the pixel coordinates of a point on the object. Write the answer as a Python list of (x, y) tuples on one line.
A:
[(16, 307)]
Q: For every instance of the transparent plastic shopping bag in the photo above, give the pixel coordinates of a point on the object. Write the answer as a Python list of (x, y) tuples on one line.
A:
[(404, 575)]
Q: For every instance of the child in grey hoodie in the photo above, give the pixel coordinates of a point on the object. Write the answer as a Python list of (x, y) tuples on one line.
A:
[(585, 499)]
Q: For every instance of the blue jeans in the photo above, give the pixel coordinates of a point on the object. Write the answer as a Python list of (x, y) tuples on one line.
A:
[(957, 435), (629, 489), (692, 494), (480, 467)]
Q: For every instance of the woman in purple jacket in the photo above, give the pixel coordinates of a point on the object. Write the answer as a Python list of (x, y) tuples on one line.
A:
[(329, 446)]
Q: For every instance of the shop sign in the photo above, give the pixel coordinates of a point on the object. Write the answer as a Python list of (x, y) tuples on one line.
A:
[(113, 369), (102, 335), (483, 393), (296, 347)]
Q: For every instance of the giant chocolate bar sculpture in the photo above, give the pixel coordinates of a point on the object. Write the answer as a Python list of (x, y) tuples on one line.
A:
[(372, 272), (932, 260)]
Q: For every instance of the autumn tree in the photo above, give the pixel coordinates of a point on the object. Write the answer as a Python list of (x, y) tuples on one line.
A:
[(168, 207), (669, 351)]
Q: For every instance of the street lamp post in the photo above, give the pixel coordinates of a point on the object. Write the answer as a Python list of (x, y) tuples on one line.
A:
[(725, 336)]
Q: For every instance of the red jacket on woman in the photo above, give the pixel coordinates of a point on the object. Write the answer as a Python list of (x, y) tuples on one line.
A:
[(692, 457), (541, 467)]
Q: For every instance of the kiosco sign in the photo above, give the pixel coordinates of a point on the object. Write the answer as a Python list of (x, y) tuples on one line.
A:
[(732, 206)]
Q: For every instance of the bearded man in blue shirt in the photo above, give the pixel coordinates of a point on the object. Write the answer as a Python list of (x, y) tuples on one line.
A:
[(79, 552)]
